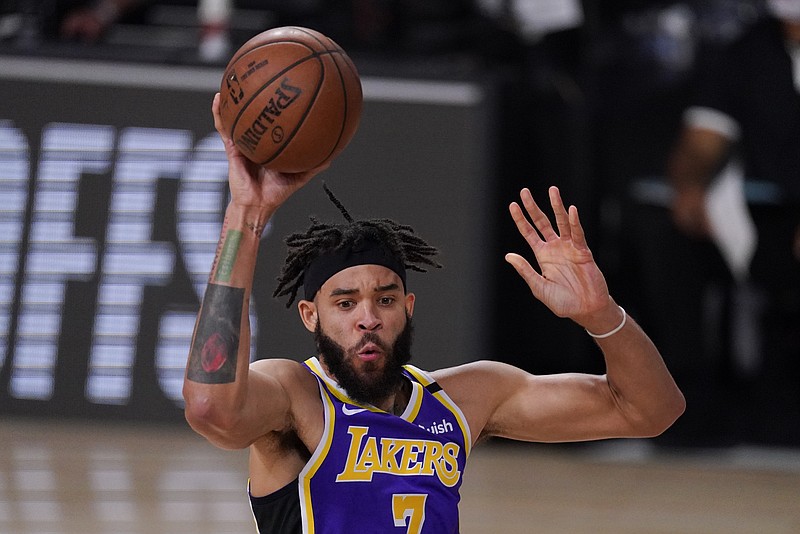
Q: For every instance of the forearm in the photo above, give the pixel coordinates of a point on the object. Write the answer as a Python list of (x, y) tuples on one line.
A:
[(215, 385), (642, 386)]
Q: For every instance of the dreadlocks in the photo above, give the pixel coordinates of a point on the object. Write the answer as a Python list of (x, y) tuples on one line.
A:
[(321, 238)]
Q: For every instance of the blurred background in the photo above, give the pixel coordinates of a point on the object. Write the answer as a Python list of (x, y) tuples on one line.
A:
[(113, 188)]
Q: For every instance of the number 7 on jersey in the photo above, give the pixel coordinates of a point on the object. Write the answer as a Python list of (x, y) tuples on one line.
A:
[(409, 509)]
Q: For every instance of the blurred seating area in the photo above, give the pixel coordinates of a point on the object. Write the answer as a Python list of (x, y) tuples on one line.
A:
[(585, 94), (184, 31)]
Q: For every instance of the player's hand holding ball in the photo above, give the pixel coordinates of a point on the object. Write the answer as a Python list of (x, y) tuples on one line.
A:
[(289, 103), (290, 99), (253, 185)]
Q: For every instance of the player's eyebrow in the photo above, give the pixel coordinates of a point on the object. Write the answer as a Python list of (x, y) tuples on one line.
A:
[(351, 291), (388, 287), (343, 291)]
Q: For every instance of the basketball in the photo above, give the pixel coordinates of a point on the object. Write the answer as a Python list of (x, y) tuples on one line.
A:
[(290, 99)]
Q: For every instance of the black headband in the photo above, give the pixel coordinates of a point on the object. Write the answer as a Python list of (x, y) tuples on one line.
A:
[(367, 252)]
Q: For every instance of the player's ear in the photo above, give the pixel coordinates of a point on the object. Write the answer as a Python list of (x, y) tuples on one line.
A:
[(308, 314), (410, 300)]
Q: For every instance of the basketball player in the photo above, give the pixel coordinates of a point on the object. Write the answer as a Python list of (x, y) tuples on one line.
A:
[(358, 440)]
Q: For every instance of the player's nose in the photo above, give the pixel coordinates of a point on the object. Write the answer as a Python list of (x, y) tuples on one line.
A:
[(369, 320)]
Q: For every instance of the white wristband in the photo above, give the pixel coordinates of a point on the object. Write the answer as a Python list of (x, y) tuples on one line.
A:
[(617, 329)]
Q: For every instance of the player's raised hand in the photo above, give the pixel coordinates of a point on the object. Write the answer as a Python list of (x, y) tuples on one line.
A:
[(253, 185), (570, 283)]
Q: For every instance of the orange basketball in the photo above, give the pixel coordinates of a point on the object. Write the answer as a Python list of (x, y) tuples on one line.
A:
[(290, 99)]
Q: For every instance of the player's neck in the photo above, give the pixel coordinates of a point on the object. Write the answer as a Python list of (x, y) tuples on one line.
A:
[(394, 403), (399, 400)]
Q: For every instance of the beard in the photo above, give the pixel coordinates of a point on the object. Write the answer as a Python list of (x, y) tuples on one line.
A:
[(374, 383)]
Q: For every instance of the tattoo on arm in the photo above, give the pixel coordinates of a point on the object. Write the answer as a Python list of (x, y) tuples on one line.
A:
[(227, 257), (228, 248), (256, 227), (218, 252), (212, 357)]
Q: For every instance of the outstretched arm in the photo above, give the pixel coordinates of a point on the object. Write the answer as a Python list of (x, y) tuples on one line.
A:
[(224, 401), (636, 397)]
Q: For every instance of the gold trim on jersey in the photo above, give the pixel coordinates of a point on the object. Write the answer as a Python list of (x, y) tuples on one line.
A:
[(414, 402), (425, 379), (409, 414), (321, 452)]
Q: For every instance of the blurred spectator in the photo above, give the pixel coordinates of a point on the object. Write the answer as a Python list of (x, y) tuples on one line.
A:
[(421, 28), (405, 27), (747, 109), (540, 108), (89, 22)]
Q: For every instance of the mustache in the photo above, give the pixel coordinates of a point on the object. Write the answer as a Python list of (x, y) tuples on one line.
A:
[(370, 337)]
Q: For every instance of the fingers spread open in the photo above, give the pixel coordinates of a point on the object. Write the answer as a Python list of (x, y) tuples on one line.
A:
[(562, 219), (524, 227), (538, 217), (578, 235), (527, 272)]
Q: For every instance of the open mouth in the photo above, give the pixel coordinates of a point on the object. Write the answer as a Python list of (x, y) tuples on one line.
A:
[(369, 352)]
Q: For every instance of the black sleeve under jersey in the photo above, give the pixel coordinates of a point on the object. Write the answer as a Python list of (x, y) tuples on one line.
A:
[(278, 512)]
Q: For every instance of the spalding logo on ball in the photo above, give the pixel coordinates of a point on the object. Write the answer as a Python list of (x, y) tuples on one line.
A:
[(290, 99)]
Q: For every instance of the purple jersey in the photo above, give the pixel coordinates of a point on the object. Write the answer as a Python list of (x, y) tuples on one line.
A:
[(377, 472)]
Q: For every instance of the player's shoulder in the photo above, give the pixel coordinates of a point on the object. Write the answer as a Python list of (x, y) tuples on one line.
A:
[(276, 364), (285, 370), (300, 388), (479, 387), (474, 369), (480, 375)]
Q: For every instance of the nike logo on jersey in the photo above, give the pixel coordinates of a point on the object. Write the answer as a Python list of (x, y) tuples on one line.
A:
[(352, 411)]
